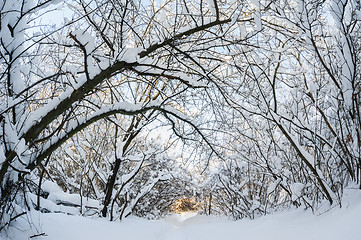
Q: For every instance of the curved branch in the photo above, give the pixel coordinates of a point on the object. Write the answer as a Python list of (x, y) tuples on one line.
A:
[(77, 94), (189, 32), (120, 108)]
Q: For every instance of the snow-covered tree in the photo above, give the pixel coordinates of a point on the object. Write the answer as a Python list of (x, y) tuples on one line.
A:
[(265, 95), (295, 90), (129, 58)]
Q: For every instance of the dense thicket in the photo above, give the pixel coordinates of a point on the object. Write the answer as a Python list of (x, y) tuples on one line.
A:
[(243, 107)]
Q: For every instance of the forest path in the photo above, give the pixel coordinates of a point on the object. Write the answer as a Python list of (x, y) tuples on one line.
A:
[(334, 224), (295, 224)]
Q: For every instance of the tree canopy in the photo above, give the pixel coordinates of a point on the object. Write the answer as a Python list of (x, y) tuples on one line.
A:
[(241, 107)]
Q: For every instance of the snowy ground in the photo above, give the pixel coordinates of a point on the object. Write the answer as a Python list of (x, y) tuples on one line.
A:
[(337, 224)]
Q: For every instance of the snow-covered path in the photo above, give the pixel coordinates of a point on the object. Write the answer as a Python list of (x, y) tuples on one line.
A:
[(338, 224)]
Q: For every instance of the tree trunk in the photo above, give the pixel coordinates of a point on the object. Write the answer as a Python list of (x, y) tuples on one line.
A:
[(110, 186)]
